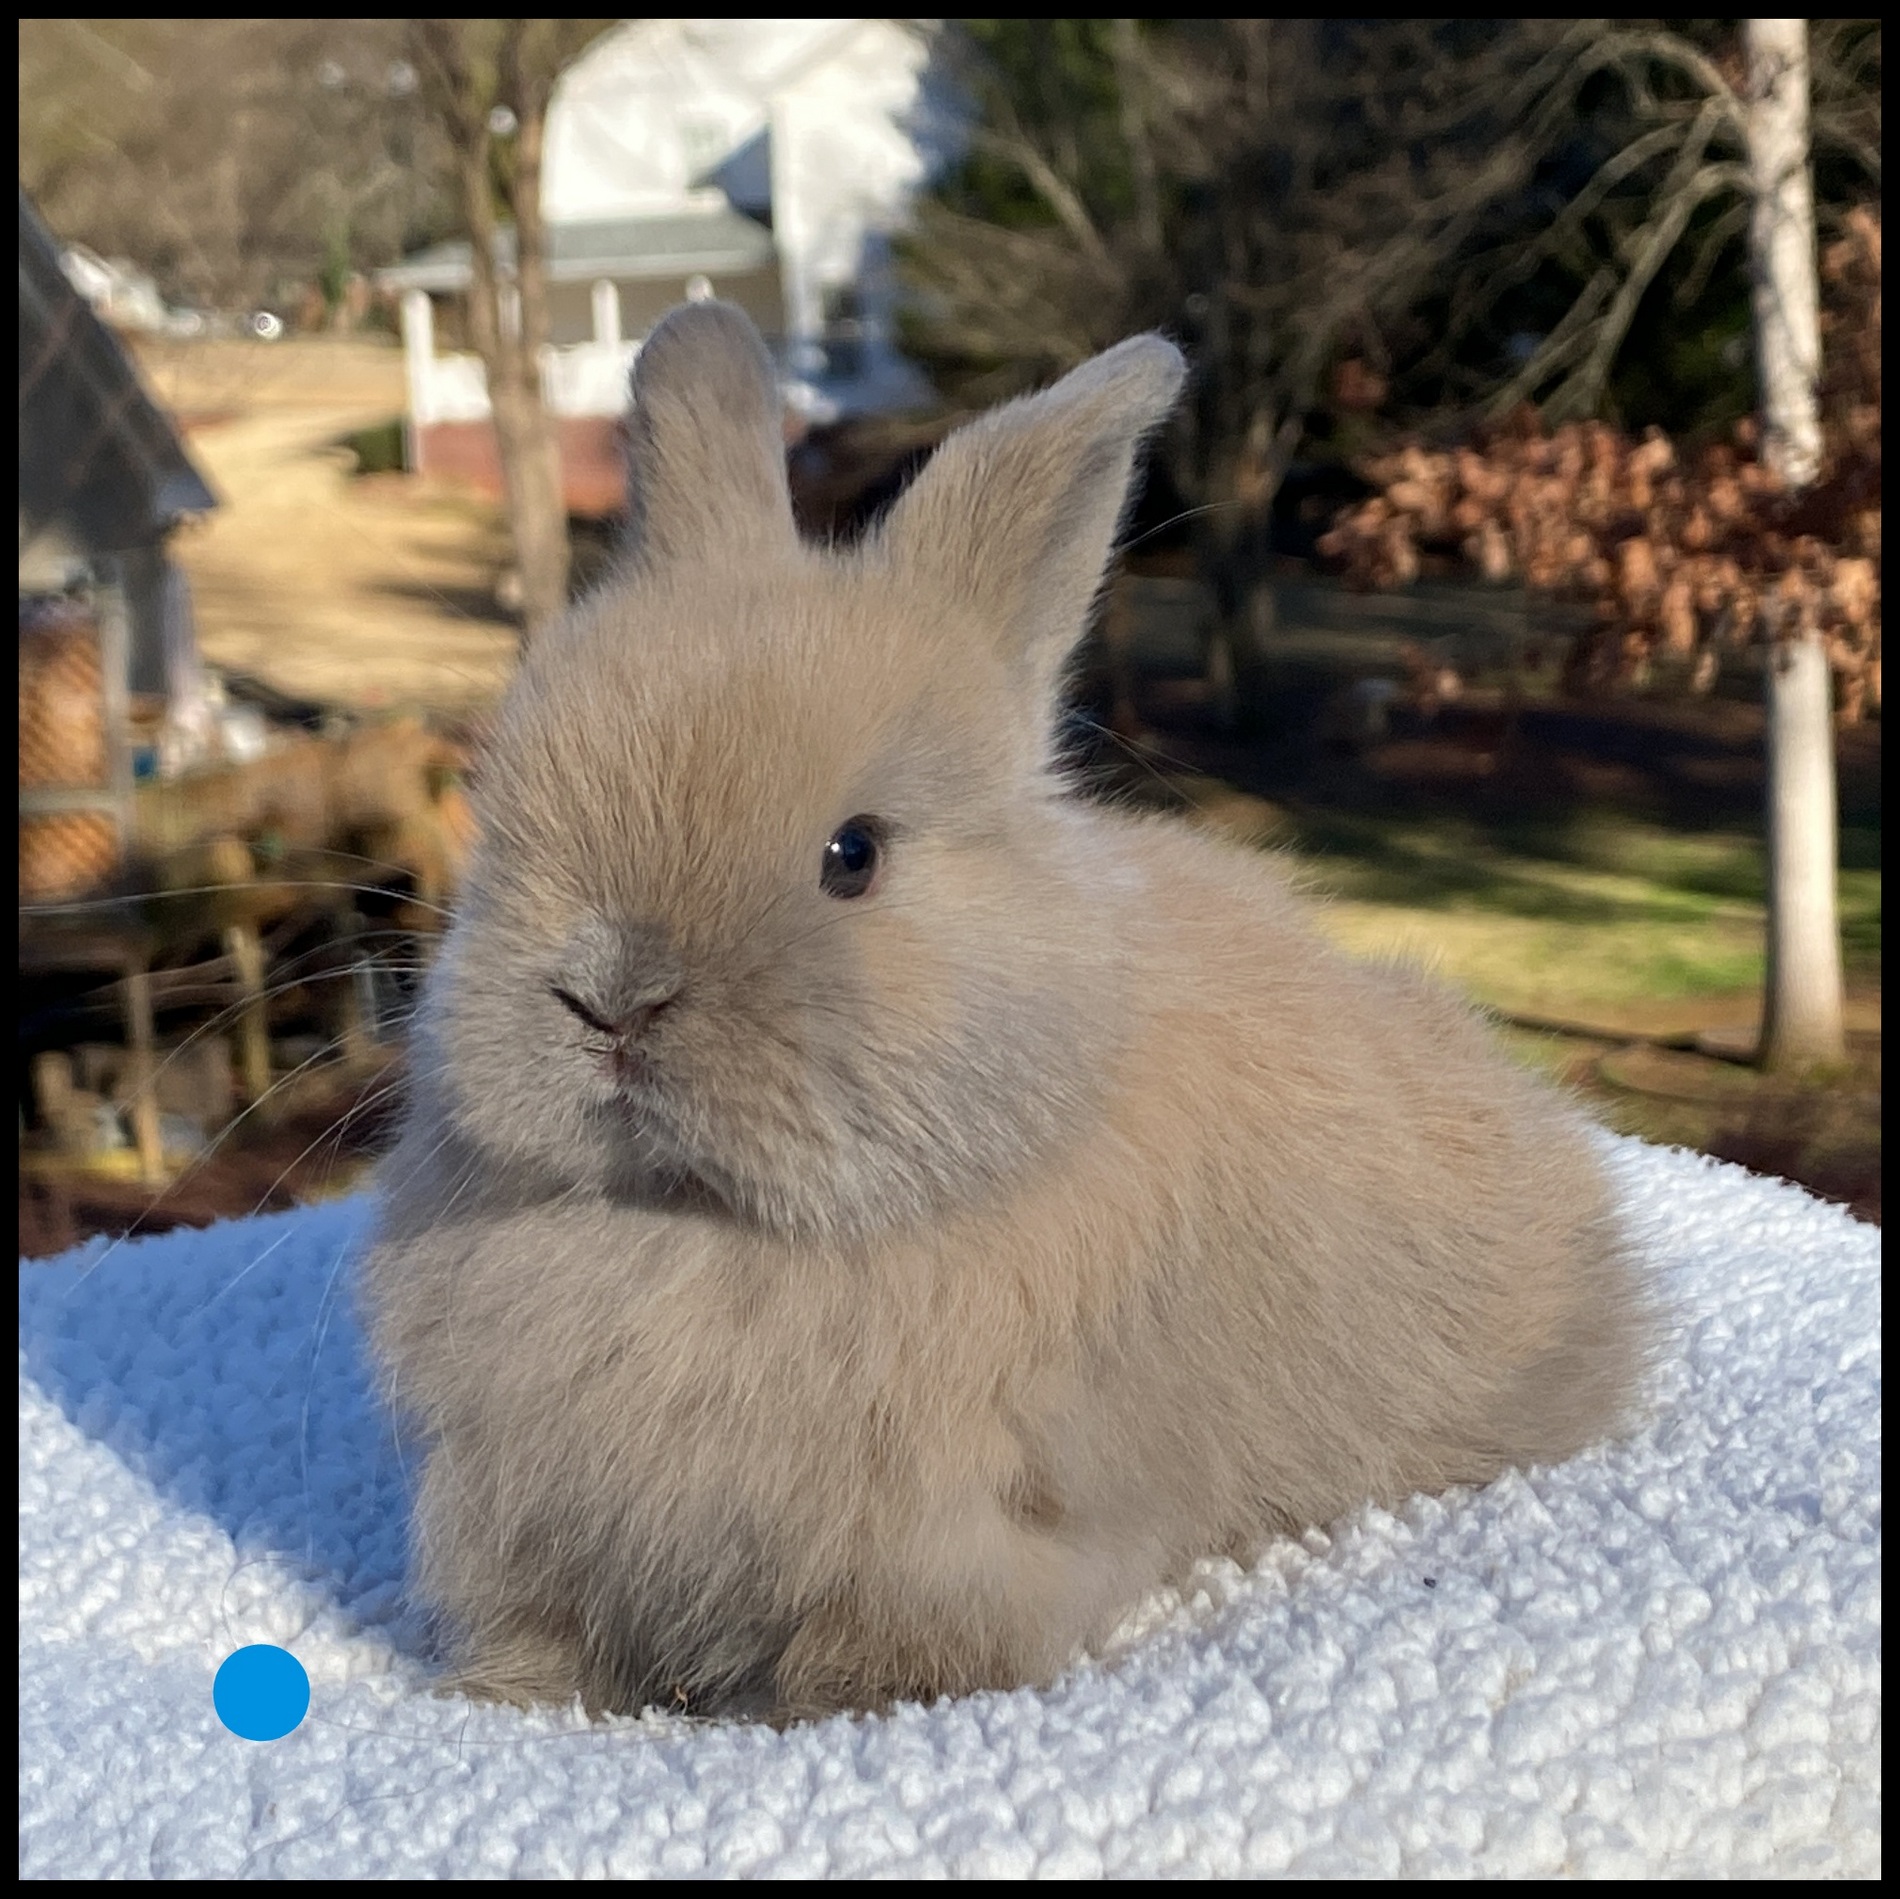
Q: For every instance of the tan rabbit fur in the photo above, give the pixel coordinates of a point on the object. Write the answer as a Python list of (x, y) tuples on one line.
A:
[(813, 1300)]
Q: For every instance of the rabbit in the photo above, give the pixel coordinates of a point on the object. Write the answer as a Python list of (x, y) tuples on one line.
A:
[(867, 1216)]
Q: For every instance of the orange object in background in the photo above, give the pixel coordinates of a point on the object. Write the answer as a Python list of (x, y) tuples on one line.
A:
[(63, 854)]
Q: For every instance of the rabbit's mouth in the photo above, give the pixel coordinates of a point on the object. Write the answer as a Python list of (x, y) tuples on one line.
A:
[(648, 1165), (663, 1154), (638, 1112)]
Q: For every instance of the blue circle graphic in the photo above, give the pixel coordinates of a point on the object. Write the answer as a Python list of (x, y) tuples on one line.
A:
[(261, 1692)]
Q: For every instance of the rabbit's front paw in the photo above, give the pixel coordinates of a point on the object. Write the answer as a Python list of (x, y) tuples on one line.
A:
[(523, 1663), (839, 1660)]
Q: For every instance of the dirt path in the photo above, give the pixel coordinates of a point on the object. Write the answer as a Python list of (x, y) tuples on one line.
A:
[(355, 591)]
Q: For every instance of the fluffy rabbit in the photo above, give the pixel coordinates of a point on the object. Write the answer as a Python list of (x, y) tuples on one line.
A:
[(865, 1215)]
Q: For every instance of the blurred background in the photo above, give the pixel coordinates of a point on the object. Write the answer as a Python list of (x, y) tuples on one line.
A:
[(1514, 563)]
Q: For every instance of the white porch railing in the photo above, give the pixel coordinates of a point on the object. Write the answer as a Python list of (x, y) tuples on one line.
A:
[(840, 373), (583, 379), (587, 378)]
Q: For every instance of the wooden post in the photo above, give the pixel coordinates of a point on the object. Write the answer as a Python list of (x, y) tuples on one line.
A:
[(247, 953), (355, 999), (143, 1087)]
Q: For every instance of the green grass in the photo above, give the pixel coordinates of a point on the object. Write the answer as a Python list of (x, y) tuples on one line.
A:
[(1601, 911), (1629, 929), (378, 448)]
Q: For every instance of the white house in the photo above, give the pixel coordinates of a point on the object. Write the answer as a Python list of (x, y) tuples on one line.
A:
[(766, 161)]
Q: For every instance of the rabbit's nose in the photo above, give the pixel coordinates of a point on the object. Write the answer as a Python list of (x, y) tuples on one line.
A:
[(625, 1024), (633, 1023), (628, 1061), (617, 978)]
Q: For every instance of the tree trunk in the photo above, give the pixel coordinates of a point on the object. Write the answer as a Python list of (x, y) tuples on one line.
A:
[(1125, 43), (1802, 1014), (473, 71), (1802, 1018), (530, 436), (1787, 291), (537, 507), (1235, 538)]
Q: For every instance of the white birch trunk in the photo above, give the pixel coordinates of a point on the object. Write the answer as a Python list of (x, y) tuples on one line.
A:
[(1801, 1022), (1802, 1015), (1781, 248)]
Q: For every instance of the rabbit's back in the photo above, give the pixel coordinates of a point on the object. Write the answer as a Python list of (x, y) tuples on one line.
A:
[(1393, 1263)]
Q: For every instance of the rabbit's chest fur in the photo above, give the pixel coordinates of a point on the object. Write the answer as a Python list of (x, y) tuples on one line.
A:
[(671, 1408)]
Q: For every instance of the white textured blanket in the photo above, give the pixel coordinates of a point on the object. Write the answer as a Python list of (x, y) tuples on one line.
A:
[(1662, 1658)]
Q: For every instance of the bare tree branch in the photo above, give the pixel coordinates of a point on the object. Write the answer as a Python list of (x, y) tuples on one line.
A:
[(1016, 149), (1686, 189), (1126, 42), (1623, 45), (1722, 232)]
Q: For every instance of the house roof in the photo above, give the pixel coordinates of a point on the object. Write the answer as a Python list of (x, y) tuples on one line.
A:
[(674, 244), (97, 456)]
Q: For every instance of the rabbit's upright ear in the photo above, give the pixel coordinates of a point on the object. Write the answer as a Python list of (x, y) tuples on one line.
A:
[(705, 439), (1016, 513)]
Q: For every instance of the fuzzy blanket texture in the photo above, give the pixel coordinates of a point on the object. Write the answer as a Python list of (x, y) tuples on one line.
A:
[(1662, 1658)]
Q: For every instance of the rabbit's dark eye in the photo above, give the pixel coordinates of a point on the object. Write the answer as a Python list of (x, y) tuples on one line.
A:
[(851, 857)]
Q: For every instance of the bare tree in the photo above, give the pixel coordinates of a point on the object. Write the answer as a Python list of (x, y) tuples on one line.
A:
[(1314, 184), (1733, 124), (487, 84), (1282, 192), (1802, 1023), (1679, 165), (1771, 541), (1290, 194)]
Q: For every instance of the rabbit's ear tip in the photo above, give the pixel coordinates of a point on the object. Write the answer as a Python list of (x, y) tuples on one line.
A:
[(704, 436), (1155, 360), (1143, 374), (709, 317), (1153, 352), (699, 331)]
